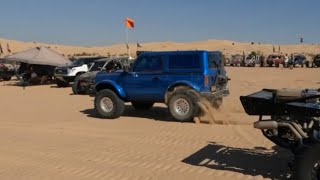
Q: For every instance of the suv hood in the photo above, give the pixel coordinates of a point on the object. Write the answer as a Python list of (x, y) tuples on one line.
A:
[(103, 76), (90, 74)]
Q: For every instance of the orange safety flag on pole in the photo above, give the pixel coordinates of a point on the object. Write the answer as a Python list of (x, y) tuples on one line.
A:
[(129, 23)]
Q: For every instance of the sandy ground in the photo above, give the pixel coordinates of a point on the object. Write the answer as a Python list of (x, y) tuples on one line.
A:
[(48, 133)]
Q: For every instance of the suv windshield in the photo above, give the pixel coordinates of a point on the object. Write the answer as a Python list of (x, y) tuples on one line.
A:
[(78, 62), (97, 66)]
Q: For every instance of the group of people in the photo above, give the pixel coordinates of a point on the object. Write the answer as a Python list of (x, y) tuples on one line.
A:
[(33, 74)]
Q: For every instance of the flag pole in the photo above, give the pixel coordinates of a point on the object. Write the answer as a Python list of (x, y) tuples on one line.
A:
[(128, 48)]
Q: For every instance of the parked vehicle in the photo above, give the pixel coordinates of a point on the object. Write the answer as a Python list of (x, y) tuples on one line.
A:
[(85, 83), (67, 73), (236, 60), (250, 61), (316, 60), (6, 71), (293, 123), (299, 59), (275, 60), (177, 78)]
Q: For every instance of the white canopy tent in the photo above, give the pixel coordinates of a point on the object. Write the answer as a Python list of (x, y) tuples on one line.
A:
[(39, 55)]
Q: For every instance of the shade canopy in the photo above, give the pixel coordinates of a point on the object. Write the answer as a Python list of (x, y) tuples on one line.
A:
[(39, 55)]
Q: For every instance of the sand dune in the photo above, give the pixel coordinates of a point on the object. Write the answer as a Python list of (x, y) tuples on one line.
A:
[(119, 49), (47, 133)]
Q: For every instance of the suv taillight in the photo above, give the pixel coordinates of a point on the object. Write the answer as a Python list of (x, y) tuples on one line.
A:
[(206, 80)]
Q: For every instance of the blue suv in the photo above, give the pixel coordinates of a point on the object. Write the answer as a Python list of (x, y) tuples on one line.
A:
[(177, 78)]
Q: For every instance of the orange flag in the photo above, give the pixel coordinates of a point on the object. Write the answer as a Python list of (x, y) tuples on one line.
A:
[(129, 23)]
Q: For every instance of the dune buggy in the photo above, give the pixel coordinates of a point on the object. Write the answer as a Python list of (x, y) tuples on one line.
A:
[(294, 124)]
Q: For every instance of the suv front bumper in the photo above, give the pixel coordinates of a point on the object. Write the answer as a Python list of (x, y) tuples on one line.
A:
[(212, 96)]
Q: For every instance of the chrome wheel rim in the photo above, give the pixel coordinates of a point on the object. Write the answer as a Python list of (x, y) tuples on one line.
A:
[(181, 107), (106, 104)]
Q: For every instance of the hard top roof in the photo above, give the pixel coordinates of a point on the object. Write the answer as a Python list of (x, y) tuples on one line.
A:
[(177, 52)]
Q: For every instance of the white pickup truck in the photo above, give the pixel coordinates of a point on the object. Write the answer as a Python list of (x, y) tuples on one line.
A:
[(66, 74)]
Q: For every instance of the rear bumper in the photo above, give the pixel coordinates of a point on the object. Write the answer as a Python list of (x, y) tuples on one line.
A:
[(211, 96)]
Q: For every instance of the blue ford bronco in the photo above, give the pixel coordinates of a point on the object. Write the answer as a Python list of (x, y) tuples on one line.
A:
[(177, 78)]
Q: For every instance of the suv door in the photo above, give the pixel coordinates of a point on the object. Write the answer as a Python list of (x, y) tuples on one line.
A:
[(145, 81)]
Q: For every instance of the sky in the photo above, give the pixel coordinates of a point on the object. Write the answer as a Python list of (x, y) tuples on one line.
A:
[(102, 22)]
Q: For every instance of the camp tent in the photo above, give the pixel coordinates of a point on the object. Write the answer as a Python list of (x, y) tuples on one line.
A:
[(39, 55)]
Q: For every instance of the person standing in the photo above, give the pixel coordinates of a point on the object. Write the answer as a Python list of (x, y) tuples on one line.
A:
[(286, 60), (291, 61)]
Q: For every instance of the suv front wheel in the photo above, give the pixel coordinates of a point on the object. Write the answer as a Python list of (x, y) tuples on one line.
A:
[(182, 106), (108, 104)]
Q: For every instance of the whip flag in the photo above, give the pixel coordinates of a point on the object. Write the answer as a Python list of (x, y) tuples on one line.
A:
[(129, 23)]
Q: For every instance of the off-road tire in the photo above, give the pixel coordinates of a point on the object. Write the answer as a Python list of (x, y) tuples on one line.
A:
[(305, 161), (118, 104), (186, 95), (62, 83), (75, 85), (142, 106), (307, 64)]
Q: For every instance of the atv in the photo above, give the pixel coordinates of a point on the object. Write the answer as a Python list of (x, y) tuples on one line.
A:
[(293, 124)]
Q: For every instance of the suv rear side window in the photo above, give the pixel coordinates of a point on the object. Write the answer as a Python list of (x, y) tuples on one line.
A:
[(184, 61), (149, 64), (214, 60)]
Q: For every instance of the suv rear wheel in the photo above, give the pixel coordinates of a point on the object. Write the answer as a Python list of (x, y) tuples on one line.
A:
[(183, 106), (142, 106), (108, 104)]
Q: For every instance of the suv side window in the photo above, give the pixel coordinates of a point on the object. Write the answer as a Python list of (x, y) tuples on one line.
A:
[(213, 60), (184, 62), (149, 64), (89, 62)]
